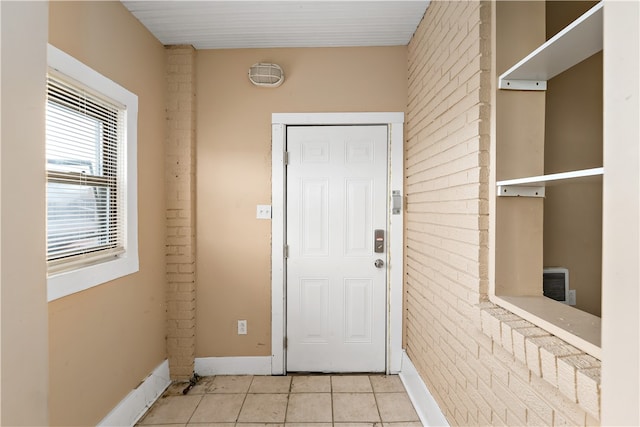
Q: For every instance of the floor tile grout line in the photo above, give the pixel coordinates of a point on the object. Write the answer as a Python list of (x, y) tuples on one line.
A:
[(375, 399), (244, 400), (286, 409), (333, 416), (194, 410)]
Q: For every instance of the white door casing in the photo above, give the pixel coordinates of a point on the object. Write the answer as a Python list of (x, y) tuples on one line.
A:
[(336, 296), (394, 121)]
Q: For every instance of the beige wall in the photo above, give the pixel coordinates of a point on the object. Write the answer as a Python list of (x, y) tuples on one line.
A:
[(234, 170), (470, 361), (520, 125), (107, 339), (23, 299), (573, 140)]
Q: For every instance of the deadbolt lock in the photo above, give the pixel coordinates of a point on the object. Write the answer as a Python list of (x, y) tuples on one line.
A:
[(378, 241)]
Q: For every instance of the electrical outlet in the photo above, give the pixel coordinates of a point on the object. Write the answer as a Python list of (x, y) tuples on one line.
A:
[(263, 212), (571, 300), (242, 327)]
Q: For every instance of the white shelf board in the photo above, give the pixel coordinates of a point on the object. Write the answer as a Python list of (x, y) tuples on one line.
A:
[(536, 181), (575, 43), (578, 328)]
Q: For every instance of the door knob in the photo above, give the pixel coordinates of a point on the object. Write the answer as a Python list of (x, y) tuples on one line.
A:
[(378, 263)]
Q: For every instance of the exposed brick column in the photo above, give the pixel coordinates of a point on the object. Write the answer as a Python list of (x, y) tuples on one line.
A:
[(180, 175)]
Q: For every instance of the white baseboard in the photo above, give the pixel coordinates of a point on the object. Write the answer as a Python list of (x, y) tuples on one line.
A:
[(135, 404), (424, 403), (247, 365)]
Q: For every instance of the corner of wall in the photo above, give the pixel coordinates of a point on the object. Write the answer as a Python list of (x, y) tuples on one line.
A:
[(180, 210), (23, 301)]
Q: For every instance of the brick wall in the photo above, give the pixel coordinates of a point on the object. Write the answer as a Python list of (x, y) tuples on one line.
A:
[(180, 205), (483, 364)]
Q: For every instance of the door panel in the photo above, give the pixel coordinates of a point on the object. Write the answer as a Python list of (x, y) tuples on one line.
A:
[(358, 218), (357, 310), (336, 297), (315, 217), (314, 304)]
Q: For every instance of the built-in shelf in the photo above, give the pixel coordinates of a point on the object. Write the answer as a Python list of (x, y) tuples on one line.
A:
[(534, 186), (575, 43), (577, 327)]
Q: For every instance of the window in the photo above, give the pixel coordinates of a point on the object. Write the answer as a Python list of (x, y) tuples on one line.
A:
[(91, 177), (84, 172)]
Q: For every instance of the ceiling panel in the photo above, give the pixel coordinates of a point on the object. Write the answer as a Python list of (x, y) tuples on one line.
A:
[(260, 24)]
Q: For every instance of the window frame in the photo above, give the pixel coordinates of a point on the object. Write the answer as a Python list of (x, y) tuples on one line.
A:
[(64, 283), (67, 99)]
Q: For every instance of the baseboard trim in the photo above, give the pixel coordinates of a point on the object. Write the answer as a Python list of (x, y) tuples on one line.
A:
[(138, 401), (242, 365), (424, 403)]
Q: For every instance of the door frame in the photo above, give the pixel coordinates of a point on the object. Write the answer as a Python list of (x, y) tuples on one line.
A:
[(395, 226)]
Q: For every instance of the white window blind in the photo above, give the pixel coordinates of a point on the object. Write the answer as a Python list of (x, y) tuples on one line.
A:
[(85, 173)]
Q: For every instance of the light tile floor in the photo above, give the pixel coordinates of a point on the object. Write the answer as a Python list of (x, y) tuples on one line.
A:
[(291, 401)]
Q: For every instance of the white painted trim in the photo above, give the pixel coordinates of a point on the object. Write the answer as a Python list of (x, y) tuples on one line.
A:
[(279, 122), (396, 248), (138, 401), (621, 216), (336, 118), (424, 403), (278, 302), (241, 365)]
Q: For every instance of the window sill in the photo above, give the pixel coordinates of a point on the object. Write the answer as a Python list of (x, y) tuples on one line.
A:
[(576, 327), (565, 367), (60, 285)]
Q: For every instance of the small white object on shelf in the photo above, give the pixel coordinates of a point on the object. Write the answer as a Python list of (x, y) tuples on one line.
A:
[(575, 43), (533, 186)]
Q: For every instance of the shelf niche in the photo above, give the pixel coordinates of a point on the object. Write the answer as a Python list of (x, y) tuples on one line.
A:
[(522, 121)]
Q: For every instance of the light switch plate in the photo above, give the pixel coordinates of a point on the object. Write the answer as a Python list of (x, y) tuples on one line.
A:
[(263, 212), (242, 327)]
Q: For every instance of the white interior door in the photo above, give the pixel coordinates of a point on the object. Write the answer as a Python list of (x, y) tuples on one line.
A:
[(336, 295)]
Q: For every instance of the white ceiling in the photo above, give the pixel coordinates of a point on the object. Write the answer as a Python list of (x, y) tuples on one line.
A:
[(224, 24)]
